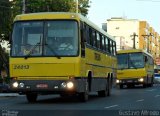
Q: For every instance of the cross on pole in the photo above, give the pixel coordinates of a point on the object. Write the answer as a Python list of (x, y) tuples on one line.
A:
[(134, 40)]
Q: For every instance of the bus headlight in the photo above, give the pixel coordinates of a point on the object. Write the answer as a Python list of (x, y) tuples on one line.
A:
[(21, 85), (117, 81), (63, 85), (141, 80), (15, 84), (70, 85)]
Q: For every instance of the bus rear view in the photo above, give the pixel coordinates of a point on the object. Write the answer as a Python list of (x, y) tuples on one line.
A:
[(134, 67)]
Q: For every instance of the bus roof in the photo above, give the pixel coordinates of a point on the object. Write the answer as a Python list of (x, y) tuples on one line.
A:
[(133, 51), (59, 15)]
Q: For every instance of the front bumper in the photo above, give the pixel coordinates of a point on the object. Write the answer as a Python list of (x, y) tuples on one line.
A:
[(44, 86), (130, 81)]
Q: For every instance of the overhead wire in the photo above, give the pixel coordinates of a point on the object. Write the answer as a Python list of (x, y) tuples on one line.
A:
[(148, 0)]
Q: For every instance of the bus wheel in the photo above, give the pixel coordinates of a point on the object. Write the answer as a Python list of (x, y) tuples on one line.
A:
[(144, 85), (84, 95), (31, 97), (109, 87), (121, 86), (151, 84), (102, 93)]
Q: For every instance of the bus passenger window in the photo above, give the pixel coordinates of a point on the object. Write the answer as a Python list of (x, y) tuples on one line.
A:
[(98, 41), (90, 37), (107, 44), (94, 38), (111, 47), (87, 35), (114, 48)]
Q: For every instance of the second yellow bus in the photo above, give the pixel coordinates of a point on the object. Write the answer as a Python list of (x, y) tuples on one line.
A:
[(135, 66)]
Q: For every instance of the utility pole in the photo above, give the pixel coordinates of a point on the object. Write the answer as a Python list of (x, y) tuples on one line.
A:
[(147, 40), (76, 6), (134, 40), (23, 6)]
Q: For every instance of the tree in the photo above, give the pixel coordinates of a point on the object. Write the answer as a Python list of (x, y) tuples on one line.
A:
[(33, 6), (8, 10), (5, 19), (5, 27)]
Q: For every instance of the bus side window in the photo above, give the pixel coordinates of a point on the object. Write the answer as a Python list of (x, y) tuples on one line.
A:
[(90, 37), (111, 47), (107, 44), (103, 43), (83, 38), (98, 41), (114, 48), (94, 38)]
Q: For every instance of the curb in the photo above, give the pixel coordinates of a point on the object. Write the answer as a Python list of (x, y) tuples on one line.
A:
[(9, 94)]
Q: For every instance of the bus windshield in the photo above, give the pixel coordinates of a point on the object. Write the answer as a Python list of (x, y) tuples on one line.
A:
[(130, 61), (45, 38)]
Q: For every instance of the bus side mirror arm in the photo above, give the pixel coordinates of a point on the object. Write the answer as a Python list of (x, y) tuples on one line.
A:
[(146, 59)]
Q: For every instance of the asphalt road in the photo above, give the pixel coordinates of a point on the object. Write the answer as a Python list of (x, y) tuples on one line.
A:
[(128, 101)]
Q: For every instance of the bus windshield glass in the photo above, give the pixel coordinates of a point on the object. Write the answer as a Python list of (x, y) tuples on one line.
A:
[(130, 61), (45, 38)]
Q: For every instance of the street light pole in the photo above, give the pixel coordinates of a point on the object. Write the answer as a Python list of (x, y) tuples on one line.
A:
[(134, 40), (76, 6), (147, 40), (23, 7)]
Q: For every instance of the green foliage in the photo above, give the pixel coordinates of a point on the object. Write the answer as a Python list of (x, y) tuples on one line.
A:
[(8, 10), (48, 6), (5, 19), (33, 6)]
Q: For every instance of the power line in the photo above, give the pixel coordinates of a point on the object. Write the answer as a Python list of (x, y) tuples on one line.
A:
[(148, 0)]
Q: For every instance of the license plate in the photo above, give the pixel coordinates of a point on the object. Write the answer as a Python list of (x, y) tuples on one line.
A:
[(129, 81), (42, 86)]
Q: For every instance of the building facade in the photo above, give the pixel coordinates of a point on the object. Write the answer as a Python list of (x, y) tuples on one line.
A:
[(133, 33)]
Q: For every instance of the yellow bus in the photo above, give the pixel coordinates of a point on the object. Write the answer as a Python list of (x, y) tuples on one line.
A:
[(135, 66), (60, 53)]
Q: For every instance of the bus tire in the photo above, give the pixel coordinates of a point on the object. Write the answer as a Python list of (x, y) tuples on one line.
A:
[(144, 85), (31, 97), (109, 86), (63, 95), (102, 93), (84, 95), (121, 86), (152, 81), (151, 84)]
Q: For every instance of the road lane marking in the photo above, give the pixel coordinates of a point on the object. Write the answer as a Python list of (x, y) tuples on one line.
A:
[(140, 100), (151, 90), (111, 106), (157, 96)]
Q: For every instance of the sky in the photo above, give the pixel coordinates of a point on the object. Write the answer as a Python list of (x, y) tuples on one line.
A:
[(147, 10)]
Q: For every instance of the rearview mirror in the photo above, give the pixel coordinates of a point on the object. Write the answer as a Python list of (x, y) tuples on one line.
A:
[(146, 59)]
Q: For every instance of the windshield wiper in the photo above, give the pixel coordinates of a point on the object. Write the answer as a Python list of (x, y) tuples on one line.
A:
[(31, 50), (53, 51)]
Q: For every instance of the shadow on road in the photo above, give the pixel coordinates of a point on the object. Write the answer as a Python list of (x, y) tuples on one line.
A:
[(65, 100)]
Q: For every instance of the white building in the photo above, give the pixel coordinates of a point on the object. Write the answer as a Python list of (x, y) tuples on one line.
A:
[(123, 30)]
